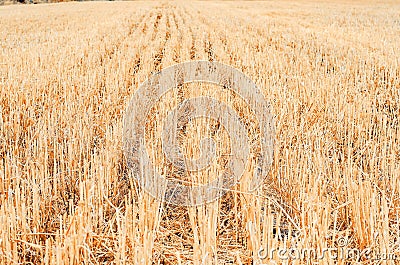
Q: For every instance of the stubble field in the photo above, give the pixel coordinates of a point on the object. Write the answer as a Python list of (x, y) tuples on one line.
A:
[(330, 71)]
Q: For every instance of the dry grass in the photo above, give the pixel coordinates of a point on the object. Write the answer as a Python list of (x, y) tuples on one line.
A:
[(67, 71)]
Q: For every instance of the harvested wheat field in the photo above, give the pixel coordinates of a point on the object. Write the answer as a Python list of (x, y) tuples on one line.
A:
[(330, 71)]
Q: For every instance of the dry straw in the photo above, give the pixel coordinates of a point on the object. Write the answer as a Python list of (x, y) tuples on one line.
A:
[(330, 71)]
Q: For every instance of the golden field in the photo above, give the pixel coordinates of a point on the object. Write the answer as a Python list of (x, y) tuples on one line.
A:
[(330, 70)]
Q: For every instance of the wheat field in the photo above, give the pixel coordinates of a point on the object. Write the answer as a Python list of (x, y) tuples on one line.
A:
[(330, 70)]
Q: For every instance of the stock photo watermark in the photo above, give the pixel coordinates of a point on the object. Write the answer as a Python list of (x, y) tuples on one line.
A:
[(139, 159), (343, 252)]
